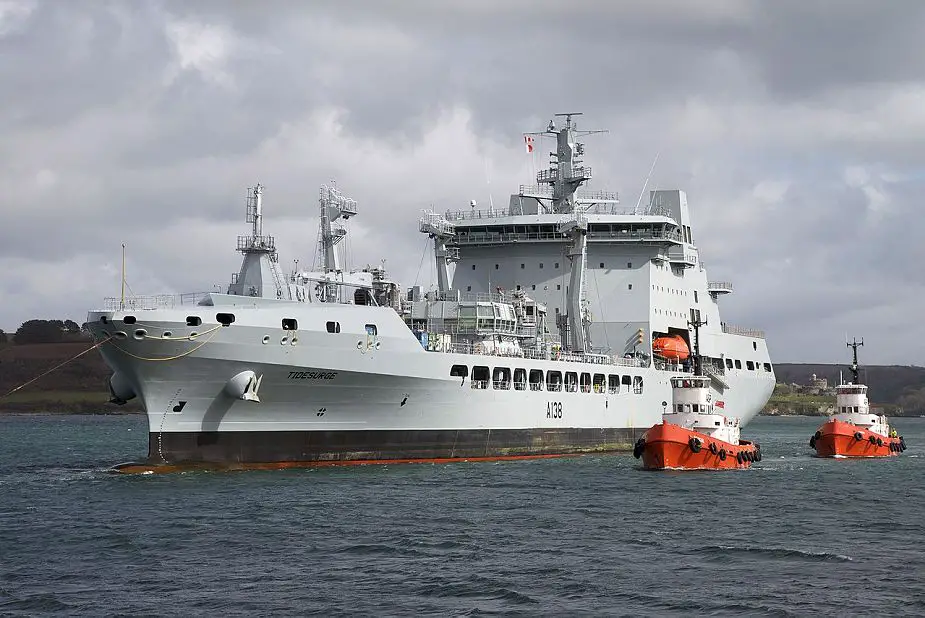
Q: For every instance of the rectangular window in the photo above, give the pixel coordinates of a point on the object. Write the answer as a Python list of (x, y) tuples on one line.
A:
[(738, 364), (536, 379), (637, 385), (333, 327), (520, 379), (372, 330), (290, 324), (750, 365), (571, 381), (728, 363), (553, 380), (459, 371), (613, 384), (767, 366), (695, 297)]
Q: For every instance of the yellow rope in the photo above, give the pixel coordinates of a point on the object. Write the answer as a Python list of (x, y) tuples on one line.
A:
[(188, 337), (169, 358), (56, 367)]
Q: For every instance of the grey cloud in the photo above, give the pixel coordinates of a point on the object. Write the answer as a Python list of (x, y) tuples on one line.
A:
[(756, 108)]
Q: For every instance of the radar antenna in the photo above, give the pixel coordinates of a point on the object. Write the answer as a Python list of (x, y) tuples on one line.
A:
[(854, 344)]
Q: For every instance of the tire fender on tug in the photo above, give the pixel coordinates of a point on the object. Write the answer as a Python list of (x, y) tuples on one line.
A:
[(713, 448), (639, 447), (722, 454), (695, 444), (739, 457), (858, 436)]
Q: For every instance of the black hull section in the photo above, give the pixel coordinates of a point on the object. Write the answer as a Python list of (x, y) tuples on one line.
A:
[(234, 447)]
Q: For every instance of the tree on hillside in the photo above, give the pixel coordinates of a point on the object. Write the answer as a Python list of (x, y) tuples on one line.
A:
[(39, 331), (71, 326)]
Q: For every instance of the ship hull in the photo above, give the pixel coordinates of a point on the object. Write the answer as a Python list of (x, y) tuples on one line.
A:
[(840, 439), (667, 446), (349, 396), (308, 448)]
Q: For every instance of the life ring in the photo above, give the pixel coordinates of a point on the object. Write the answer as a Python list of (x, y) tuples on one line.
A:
[(879, 441), (713, 448), (858, 436), (695, 444), (722, 454)]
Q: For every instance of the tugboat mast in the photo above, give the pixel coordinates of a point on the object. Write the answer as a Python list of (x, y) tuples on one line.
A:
[(855, 377), (695, 323)]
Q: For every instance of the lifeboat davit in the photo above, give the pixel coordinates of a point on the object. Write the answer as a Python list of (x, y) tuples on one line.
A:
[(694, 435), (853, 430), (672, 347)]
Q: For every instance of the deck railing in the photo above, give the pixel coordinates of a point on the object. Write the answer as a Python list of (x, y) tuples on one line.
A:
[(158, 301), (730, 329)]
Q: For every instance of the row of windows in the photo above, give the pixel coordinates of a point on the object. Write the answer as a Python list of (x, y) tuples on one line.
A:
[(502, 378), (524, 266), (751, 366)]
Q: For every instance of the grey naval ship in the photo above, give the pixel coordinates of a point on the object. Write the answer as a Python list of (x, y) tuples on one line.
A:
[(554, 328)]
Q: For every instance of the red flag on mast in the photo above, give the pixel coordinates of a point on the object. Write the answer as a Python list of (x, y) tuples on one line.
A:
[(528, 143)]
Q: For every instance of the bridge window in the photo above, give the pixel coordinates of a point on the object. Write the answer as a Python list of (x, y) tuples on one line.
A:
[(501, 378), (520, 379), (553, 380), (613, 384), (536, 380), (755, 345), (480, 377), (695, 297), (585, 382), (557, 264), (767, 366), (571, 381), (728, 363), (333, 327), (750, 365), (637, 385), (290, 324), (599, 382), (193, 320), (627, 381), (738, 364), (459, 371)]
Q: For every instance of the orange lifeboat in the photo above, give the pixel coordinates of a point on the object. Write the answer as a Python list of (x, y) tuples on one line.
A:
[(672, 347)]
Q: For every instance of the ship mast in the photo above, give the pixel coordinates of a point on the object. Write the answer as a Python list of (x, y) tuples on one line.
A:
[(695, 323), (565, 174), (855, 378), (334, 206), (259, 274)]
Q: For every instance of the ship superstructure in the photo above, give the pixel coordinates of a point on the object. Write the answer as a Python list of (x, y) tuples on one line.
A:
[(538, 339)]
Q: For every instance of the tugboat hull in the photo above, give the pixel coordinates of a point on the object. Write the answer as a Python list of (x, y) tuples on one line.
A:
[(840, 439), (670, 447)]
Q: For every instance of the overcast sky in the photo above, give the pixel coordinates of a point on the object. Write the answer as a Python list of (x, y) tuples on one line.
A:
[(796, 127)]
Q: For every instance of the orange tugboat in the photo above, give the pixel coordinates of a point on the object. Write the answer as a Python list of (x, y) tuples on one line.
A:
[(694, 435), (853, 430)]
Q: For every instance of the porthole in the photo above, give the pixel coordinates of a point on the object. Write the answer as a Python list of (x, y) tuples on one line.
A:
[(140, 334), (284, 340), (167, 334), (378, 344), (193, 335), (359, 345), (266, 339), (120, 335), (294, 341)]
